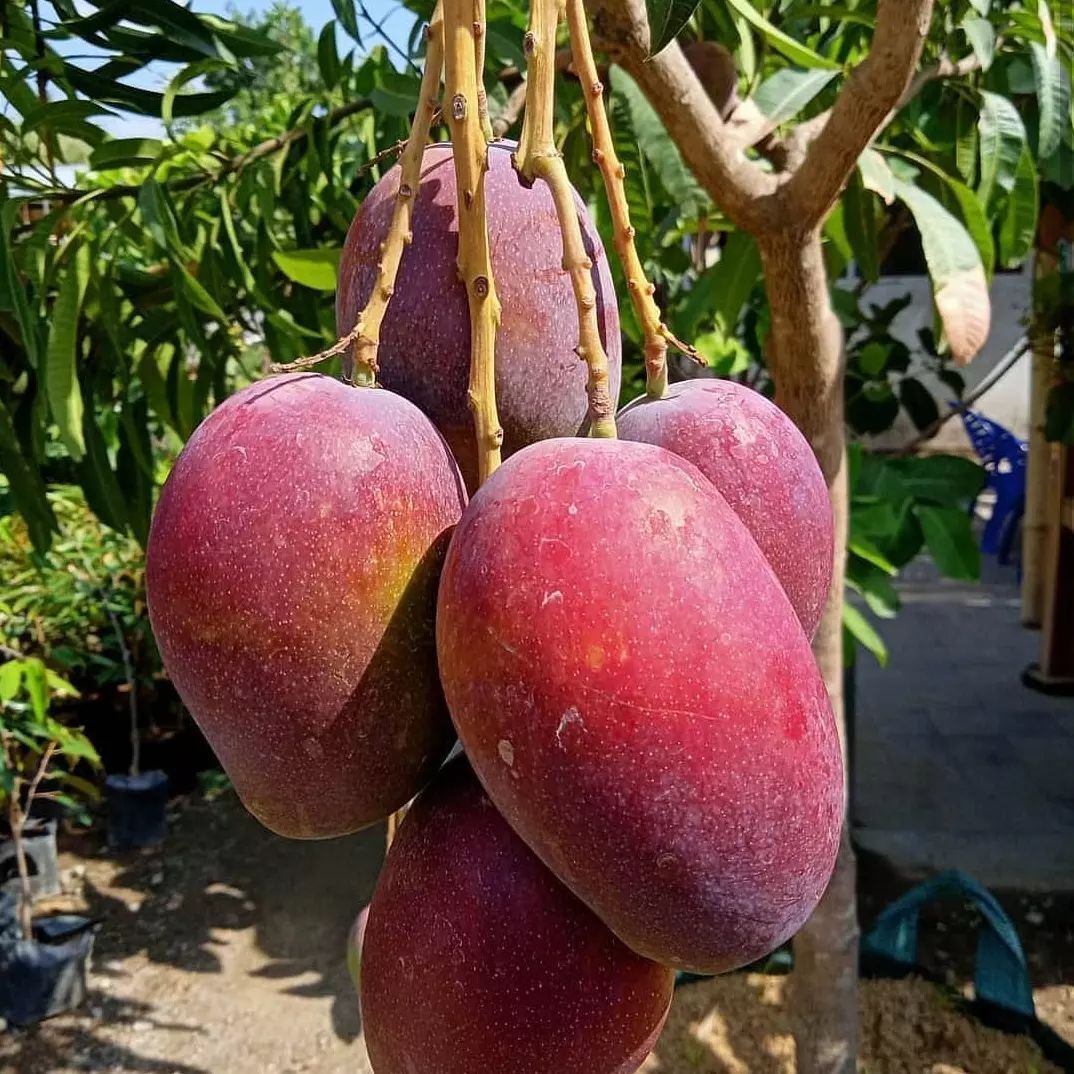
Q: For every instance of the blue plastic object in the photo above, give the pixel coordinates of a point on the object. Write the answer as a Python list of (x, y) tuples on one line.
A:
[(1004, 458), (1001, 976)]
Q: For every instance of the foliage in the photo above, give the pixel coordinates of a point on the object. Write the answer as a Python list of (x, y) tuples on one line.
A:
[(70, 604), (168, 273), (898, 507), (30, 736)]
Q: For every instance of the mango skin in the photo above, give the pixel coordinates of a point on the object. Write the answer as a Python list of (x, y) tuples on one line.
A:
[(291, 572), (636, 695), (476, 960), (765, 469), (425, 339)]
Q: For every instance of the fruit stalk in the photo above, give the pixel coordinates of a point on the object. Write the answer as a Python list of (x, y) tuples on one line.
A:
[(480, 36), (470, 154), (360, 360), (656, 333), (538, 158)]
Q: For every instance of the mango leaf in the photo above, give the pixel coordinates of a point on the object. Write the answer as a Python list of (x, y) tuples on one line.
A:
[(197, 294), (950, 541), (1018, 228), (348, 19), (954, 193), (982, 39), (859, 219), (959, 283), (61, 356), (27, 488), (59, 115), (316, 269), (1053, 103), (734, 277), (666, 20), (125, 152), (396, 93), (159, 216), (789, 90), (946, 480), (1047, 27), (966, 140), (327, 56), (111, 90), (795, 51), (1002, 138), (919, 403), (660, 151), (12, 291), (877, 176), (862, 631)]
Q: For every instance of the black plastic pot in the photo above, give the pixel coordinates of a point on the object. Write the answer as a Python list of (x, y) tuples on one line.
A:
[(39, 843), (46, 975), (136, 810)]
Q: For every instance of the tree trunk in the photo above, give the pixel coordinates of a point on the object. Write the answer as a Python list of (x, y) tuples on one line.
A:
[(805, 357)]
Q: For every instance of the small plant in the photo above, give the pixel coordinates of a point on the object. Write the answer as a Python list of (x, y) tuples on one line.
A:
[(35, 748)]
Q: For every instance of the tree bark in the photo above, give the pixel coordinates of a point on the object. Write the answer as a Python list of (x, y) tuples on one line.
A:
[(805, 357)]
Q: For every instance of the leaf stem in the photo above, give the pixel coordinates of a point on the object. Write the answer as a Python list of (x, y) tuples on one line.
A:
[(470, 153), (656, 333), (538, 157)]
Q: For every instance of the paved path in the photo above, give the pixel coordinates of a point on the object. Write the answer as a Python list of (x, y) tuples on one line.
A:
[(957, 764)]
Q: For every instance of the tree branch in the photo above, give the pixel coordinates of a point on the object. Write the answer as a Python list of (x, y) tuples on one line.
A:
[(798, 141), (736, 184), (873, 91)]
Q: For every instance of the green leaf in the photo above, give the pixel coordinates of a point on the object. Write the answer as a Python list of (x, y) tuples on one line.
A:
[(10, 679), (33, 678), (788, 91), (12, 290), (396, 94), (27, 488), (955, 193), (58, 115), (859, 219), (733, 278), (316, 269), (660, 151), (61, 355), (666, 20), (918, 402), (125, 152), (1053, 110), (966, 141), (1002, 139), (877, 176), (156, 209), (1018, 229), (796, 52), (327, 56), (982, 39), (135, 99), (197, 294), (348, 19), (950, 541), (863, 632), (982, 7), (941, 479)]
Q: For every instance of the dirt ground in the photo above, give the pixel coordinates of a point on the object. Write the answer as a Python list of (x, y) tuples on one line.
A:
[(224, 954)]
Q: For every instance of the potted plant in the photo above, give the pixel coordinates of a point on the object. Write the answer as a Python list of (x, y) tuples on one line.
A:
[(137, 800), (42, 964)]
